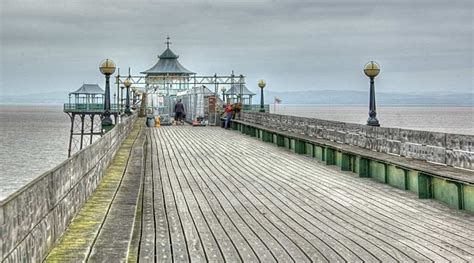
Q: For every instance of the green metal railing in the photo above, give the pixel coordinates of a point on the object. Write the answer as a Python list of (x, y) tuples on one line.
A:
[(88, 107), (255, 107)]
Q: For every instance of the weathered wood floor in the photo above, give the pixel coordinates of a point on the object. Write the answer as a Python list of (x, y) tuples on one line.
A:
[(208, 194)]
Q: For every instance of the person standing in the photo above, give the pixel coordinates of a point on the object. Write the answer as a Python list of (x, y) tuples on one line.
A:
[(179, 112), (228, 115)]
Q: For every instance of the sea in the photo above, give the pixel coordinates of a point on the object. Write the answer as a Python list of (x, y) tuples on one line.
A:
[(34, 137)]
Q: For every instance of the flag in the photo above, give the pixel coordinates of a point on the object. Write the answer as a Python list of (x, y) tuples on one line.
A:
[(277, 100)]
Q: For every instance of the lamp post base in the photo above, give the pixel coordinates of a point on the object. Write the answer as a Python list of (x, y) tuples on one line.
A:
[(107, 120), (107, 123), (373, 122), (107, 128), (262, 110)]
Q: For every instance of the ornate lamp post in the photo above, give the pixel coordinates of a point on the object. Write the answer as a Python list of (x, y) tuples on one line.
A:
[(262, 84), (107, 67), (121, 98), (372, 69), (127, 84), (223, 93), (139, 96)]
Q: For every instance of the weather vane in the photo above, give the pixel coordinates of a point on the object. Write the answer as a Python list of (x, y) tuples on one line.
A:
[(168, 42)]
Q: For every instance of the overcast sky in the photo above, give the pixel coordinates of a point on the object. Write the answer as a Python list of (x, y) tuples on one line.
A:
[(422, 46)]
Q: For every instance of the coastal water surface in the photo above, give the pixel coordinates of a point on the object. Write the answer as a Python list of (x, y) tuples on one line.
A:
[(433, 118), (34, 138)]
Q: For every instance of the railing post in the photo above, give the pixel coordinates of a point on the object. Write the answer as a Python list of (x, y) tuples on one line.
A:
[(424, 186), (346, 162), (330, 156), (280, 140), (363, 167)]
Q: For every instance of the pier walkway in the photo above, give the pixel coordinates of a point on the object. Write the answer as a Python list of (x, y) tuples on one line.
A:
[(182, 193)]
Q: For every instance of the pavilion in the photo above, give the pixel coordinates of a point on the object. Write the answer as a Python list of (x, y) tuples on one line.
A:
[(165, 80), (168, 76), (236, 90)]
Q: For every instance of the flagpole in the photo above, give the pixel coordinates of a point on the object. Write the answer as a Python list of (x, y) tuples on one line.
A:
[(274, 105)]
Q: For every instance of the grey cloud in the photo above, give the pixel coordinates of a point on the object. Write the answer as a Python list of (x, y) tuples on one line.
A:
[(294, 44)]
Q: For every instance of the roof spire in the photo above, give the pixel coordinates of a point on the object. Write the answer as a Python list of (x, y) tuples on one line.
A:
[(168, 42)]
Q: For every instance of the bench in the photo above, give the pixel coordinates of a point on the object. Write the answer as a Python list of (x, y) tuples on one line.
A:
[(447, 184)]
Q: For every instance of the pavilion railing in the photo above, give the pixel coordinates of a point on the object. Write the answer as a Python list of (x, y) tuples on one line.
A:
[(89, 107), (254, 107)]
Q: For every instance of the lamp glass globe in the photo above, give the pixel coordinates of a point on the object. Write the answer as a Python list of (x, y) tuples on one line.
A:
[(371, 69), (127, 83), (107, 67)]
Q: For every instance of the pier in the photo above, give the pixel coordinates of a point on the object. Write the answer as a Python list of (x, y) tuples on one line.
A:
[(252, 193), (204, 197), (270, 188)]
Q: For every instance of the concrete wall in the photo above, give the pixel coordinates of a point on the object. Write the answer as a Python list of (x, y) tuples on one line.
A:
[(34, 217), (445, 148)]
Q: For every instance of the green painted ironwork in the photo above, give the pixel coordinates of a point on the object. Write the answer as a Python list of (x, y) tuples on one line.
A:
[(330, 156), (254, 108), (88, 107), (346, 162), (280, 140), (300, 147), (362, 167), (424, 186), (377, 171), (397, 177)]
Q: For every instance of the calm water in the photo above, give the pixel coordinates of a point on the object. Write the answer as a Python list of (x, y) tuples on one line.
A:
[(440, 119), (34, 138)]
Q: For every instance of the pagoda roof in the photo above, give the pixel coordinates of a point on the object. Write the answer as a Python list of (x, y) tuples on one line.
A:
[(168, 64), (88, 89), (235, 90)]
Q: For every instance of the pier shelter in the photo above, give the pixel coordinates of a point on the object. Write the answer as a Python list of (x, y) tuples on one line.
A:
[(165, 79), (85, 108), (87, 97), (168, 77), (237, 91), (201, 102)]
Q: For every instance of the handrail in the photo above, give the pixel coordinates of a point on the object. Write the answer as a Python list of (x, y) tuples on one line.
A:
[(90, 107)]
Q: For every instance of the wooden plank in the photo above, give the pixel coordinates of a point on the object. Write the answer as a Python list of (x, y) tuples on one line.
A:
[(254, 223), (213, 215), (162, 228), (348, 254), (205, 233), (448, 233), (76, 242), (250, 245), (177, 229), (293, 202), (113, 240), (465, 224), (147, 238), (351, 248)]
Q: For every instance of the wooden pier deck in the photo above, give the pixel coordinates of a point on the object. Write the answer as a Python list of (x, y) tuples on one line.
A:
[(182, 193)]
